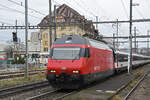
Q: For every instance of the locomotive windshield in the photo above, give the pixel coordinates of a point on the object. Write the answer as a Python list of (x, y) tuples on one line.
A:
[(66, 53)]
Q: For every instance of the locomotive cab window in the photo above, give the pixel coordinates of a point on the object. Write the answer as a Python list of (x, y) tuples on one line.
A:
[(65, 53)]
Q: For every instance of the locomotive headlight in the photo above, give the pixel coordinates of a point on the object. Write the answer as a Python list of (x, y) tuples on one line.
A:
[(52, 71), (75, 71)]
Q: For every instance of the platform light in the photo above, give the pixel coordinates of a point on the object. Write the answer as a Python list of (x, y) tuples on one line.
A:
[(75, 71)]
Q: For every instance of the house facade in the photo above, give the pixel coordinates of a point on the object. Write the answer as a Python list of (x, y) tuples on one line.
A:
[(73, 23)]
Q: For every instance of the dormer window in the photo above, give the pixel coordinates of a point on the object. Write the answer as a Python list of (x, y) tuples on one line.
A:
[(72, 20), (63, 20), (45, 21)]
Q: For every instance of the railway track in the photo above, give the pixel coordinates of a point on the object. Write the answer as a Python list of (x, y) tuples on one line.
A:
[(18, 74), (135, 87), (123, 90), (7, 73), (22, 88), (52, 95)]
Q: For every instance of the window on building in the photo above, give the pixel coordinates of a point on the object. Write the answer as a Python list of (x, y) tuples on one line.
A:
[(45, 35), (46, 43), (62, 20), (63, 28), (70, 28), (80, 34), (63, 34), (78, 30), (45, 49), (72, 20)]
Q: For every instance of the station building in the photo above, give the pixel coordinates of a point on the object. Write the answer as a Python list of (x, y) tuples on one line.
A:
[(74, 23)]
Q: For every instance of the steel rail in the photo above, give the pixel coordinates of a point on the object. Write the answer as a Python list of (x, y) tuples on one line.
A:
[(7, 73), (134, 88), (22, 88), (38, 97), (61, 97), (14, 75), (50, 93)]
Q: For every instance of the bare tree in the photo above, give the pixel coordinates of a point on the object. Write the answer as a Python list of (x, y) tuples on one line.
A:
[(9, 51)]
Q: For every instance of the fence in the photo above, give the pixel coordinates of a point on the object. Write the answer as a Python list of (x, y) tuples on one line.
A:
[(19, 67)]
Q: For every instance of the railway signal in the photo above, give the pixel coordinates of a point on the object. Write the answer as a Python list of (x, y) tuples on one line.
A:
[(15, 39)]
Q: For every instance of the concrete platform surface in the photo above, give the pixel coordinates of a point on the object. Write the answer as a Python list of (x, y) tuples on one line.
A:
[(103, 90)]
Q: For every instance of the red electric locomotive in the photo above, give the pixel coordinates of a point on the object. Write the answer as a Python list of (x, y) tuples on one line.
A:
[(75, 61)]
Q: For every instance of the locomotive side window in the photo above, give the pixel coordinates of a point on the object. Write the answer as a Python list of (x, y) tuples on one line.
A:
[(51, 53), (87, 52)]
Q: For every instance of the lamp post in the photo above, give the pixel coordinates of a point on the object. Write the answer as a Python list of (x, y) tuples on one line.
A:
[(26, 37), (130, 36), (50, 23)]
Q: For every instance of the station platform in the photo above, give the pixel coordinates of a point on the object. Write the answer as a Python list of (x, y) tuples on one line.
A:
[(105, 89)]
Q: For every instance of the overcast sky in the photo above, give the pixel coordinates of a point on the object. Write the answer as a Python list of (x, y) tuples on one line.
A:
[(104, 9)]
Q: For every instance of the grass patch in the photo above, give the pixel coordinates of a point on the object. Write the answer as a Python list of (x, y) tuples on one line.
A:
[(75, 98), (37, 68), (117, 97), (132, 84)]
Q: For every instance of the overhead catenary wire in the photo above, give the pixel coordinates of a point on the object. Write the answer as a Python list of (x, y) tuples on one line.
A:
[(81, 6), (104, 11), (18, 11), (126, 13), (5, 23), (4, 18), (138, 11), (108, 18), (20, 4), (84, 3), (68, 3), (57, 3), (89, 10), (148, 3)]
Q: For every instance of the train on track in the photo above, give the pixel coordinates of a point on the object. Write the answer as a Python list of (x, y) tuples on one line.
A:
[(75, 61)]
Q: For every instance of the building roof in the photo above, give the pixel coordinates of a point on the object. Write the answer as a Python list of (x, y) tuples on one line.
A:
[(70, 16)]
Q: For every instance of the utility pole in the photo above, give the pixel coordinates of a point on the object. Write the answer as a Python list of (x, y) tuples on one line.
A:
[(114, 40), (137, 46), (130, 40), (16, 26), (97, 21), (50, 23), (117, 35), (26, 37), (135, 39), (55, 23), (148, 42), (16, 43)]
